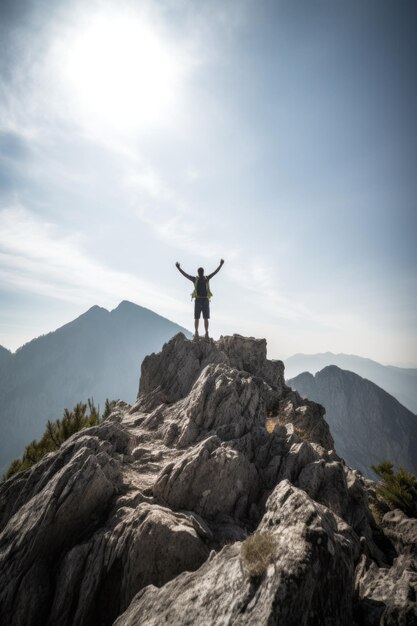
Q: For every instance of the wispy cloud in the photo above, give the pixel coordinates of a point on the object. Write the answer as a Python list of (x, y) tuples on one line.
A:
[(36, 256), (168, 214)]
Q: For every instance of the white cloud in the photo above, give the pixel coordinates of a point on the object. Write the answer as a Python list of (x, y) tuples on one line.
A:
[(38, 257)]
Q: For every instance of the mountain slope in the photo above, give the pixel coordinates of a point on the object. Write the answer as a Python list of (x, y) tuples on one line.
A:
[(147, 518), (4, 356), (367, 424), (96, 355), (397, 381)]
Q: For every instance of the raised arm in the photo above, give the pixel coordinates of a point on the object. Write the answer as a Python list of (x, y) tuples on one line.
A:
[(192, 278), (215, 271)]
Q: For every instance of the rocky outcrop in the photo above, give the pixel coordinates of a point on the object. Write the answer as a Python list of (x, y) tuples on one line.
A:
[(387, 595), (142, 519), (308, 540)]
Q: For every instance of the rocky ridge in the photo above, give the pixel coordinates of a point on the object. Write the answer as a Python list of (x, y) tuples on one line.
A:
[(140, 520), (358, 411)]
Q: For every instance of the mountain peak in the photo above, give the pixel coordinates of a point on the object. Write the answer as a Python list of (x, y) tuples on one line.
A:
[(180, 490), (126, 304), (359, 411), (399, 382)]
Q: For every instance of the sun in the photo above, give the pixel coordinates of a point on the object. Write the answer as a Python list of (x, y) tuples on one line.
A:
[(121, 72)]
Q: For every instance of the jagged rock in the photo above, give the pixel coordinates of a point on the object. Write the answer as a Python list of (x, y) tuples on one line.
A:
[(169, 375), (402, 531), (114, 564), (189, 483), (307, 417), (106, 438), (249, 354), (388, 595), (172, 372), (154, 496), (49, 523), (308, 581), (223, 401)]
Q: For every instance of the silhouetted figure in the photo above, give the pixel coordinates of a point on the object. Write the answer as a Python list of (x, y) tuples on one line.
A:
[(202, 295)]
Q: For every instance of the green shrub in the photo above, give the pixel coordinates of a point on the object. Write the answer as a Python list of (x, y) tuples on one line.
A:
[(108, 407), (59, 431), (257, 552), (397, 490)]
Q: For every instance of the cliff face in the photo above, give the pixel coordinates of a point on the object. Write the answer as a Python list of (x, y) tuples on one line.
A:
[(140, 520), (368, 425)]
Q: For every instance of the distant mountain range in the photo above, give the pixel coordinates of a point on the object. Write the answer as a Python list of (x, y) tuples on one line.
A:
[(96, 355), (398, 381), (367, 423)]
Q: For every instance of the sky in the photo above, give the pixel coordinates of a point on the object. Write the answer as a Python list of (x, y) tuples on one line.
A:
[(277, 135)]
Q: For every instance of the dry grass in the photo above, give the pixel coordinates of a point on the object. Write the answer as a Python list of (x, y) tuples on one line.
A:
[(272, 421), (257, 552)]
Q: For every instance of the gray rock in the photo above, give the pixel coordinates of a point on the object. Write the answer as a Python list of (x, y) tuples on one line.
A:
[(147, 545), (249, 354), (49, 523), (189, 483), (173, 371), (402, 531), (309, 579), (388, 595), (307, 417)]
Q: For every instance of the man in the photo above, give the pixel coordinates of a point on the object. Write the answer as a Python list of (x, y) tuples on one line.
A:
[(202, 296)]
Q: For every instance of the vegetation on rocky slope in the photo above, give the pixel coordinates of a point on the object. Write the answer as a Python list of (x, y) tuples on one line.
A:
[(257, 552), (398, 489), (81, 416)]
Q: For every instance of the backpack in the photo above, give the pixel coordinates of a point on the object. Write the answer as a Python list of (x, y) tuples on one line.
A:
[(194, 294)]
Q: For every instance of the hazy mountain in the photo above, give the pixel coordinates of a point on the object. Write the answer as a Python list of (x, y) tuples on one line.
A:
[(398, 381), (368, 425), (4, 355), (96, 355)]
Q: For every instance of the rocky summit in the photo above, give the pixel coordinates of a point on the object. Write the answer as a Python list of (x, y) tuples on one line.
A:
[(146, 518)]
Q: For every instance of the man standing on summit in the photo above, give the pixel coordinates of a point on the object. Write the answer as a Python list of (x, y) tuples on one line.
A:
[(202, 295)]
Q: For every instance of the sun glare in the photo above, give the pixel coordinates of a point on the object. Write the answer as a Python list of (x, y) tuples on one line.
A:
[(122, 73)]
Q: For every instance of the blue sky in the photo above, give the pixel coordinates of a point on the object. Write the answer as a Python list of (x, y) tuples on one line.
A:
[(280, 136)]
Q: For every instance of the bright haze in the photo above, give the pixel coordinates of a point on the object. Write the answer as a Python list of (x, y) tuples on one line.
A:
[(278, 135)]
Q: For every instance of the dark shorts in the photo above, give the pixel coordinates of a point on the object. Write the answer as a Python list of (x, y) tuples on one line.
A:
[(201, 305)]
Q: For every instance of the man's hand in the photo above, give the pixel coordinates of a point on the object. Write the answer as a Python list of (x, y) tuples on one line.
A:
[(221, 261), (177, 264)]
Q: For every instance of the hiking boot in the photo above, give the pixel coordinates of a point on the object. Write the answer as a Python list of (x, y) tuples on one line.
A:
[(206, 337), (196, 337)]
